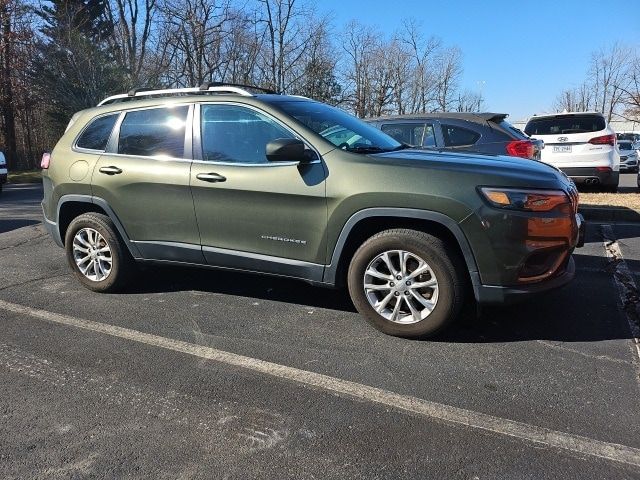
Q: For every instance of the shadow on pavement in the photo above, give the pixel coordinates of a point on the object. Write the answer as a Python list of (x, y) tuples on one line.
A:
[(584, 311), (7, 225)]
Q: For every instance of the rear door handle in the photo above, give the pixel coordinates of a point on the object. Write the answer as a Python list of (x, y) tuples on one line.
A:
[(211, 177), (110, 170)]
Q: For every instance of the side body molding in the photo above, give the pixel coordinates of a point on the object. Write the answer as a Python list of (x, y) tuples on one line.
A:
[(331, 270)]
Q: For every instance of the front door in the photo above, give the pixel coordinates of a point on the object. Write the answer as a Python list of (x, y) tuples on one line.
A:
[(144, 177), (255, 214)]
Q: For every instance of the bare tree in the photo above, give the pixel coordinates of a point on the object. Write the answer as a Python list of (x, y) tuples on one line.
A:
[(134, 23), (578, 99), (195, 31), (422, 78), (448, 72), (608, 75), (469, 101)]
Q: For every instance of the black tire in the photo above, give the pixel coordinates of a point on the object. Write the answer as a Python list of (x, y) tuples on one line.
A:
[(445, 263), (123, 265)]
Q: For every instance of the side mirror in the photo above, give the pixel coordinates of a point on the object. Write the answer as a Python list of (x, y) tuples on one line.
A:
[(286, 150)]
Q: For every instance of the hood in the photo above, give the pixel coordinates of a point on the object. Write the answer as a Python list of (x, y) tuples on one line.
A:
[(473, 162)]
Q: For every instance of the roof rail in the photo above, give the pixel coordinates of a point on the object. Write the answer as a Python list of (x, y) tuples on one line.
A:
[(206, 88)]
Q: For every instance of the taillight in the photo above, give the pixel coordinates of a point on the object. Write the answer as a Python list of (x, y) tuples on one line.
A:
[(604, 140), (46, 158), (521, 148)]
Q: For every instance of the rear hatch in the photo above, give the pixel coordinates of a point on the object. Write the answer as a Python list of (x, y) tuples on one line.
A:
[(573, 139), (520, 140)]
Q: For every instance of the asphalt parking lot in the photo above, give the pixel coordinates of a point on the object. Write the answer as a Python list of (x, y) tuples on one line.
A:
[(204, 374)]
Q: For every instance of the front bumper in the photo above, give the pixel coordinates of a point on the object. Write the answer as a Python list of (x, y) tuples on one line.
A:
[(501, 295), (497, 295)]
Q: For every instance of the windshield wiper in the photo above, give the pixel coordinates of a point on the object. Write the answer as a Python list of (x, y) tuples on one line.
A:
[(374, 149)]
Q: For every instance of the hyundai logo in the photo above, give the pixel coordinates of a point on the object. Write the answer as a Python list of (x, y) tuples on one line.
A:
[(563, 139)]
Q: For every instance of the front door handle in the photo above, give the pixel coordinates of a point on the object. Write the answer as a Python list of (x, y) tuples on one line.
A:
[(211, 177), (110, 170)]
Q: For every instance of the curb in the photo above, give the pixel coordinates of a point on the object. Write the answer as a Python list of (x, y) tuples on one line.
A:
[(601, 214)]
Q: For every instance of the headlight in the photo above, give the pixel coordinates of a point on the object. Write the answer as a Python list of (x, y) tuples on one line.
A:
[(527, 200)]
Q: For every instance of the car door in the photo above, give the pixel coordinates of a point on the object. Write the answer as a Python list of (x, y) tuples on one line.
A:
[(144, 178), (252, 213)]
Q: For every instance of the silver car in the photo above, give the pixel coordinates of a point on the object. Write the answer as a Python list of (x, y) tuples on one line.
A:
[(628, 156)]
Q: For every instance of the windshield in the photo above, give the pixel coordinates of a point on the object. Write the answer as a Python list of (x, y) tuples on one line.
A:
[(624, 146), (343, 130)]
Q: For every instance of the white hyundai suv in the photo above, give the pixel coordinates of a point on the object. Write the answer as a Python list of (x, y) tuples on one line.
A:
[(581, 144)]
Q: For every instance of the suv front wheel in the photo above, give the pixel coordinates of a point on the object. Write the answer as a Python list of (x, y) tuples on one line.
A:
[(406, 283), (96, 254)]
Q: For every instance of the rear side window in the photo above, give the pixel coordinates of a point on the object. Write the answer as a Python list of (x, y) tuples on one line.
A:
[(458, 136), (96, 135), (409, 133), (154, 132), (563, 124), (515, 132)]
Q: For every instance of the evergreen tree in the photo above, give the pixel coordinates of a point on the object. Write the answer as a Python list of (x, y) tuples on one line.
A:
[(74, 67)]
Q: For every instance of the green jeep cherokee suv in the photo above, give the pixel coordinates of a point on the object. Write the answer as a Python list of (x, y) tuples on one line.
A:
[(283, 185)]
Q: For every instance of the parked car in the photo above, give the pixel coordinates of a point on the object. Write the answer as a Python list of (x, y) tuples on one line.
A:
[(264, 183), (3, 170), (581, 144), (628, 156), (474, 132)]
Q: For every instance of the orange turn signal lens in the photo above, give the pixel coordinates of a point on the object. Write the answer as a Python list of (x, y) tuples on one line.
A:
[(527, 200)]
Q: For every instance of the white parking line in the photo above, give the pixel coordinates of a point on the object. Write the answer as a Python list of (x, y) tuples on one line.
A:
[(424, 408), (626, 285)]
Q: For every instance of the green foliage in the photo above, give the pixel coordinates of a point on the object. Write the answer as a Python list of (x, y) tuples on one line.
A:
[(74, 66)]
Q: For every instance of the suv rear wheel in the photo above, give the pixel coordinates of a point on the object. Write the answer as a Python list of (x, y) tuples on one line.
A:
[(96, 254), (406, 283)]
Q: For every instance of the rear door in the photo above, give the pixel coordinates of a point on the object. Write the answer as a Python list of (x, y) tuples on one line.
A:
[(255, 214), (414, 133), (144, 177)]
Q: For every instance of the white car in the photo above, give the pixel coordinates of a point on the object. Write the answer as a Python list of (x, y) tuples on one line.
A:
[(628, 156), (581, 144), (3, 170)]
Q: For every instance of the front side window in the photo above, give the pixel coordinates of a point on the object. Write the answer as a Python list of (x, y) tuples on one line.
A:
[(234, 134), (154, 132), (458, 136), (96, 135)]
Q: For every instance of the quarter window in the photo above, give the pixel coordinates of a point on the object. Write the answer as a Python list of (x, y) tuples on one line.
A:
[(236, 134), (458, 136), (154, 132), (96, 135)]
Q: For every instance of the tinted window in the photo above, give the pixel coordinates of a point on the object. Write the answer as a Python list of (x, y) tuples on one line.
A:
[(458, 136), (517, 133), (96, 135), (409, 133), (625, 146), (237, 134), (338, 127), (563, 124), (156, 131)]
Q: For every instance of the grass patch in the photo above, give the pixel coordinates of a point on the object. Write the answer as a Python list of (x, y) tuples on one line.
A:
[(26, 176), (610, 200)]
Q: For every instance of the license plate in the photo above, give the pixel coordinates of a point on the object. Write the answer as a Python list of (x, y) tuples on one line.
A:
[(562, 149)]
